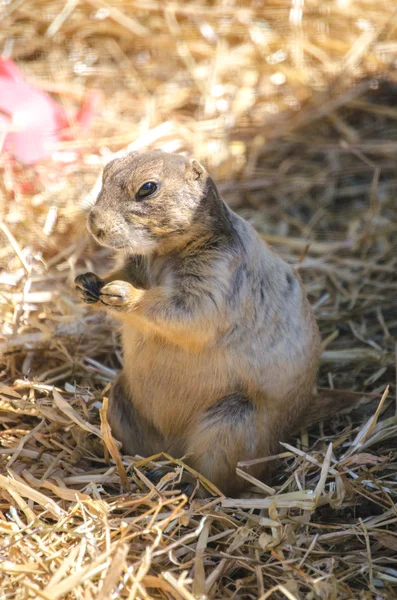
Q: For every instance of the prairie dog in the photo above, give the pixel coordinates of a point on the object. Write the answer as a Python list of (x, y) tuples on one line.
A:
[(220, 344)]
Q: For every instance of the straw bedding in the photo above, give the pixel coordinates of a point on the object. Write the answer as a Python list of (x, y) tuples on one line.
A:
[(291, 106)]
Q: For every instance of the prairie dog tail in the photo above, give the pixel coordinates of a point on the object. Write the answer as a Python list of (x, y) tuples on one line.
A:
[(327, 403)]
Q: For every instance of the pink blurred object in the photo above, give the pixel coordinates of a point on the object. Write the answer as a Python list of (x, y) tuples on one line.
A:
[(32, 122)]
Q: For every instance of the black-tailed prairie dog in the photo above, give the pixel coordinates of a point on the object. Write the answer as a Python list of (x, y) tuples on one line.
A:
[(221, 347)]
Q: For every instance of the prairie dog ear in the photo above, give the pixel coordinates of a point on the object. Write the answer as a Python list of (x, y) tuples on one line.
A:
[(194, 170), (107, 168)]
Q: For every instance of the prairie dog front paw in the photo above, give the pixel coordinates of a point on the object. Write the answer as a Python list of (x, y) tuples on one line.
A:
[(88, 287), (117, 294)]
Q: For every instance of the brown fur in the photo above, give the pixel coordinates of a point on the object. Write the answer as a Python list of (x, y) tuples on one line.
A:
[(220, 345)]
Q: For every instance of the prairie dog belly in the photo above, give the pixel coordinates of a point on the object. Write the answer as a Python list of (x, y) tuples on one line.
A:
[(163, 379)]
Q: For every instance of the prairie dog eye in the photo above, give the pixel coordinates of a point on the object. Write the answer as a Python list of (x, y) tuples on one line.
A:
[(147, 189)]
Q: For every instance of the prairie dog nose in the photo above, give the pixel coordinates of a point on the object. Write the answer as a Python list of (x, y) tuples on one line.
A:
[(93, 224)]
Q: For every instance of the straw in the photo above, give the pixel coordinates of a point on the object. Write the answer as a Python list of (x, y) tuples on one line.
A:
[(291, 107)]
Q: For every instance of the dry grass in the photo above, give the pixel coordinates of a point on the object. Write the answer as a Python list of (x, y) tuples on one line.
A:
[(294, 113)]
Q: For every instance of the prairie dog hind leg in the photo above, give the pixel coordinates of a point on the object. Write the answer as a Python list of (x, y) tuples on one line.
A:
[(230, 431)]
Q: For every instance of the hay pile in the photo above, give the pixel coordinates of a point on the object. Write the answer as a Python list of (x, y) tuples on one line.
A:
[(292, 108)]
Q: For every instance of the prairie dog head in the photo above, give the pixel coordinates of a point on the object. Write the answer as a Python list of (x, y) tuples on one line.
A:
[(148, 199)]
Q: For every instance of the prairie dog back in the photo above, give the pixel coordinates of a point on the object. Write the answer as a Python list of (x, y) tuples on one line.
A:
[(220, 345)]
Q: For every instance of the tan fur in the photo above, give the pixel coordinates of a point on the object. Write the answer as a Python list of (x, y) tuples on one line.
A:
[(220, 345)]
